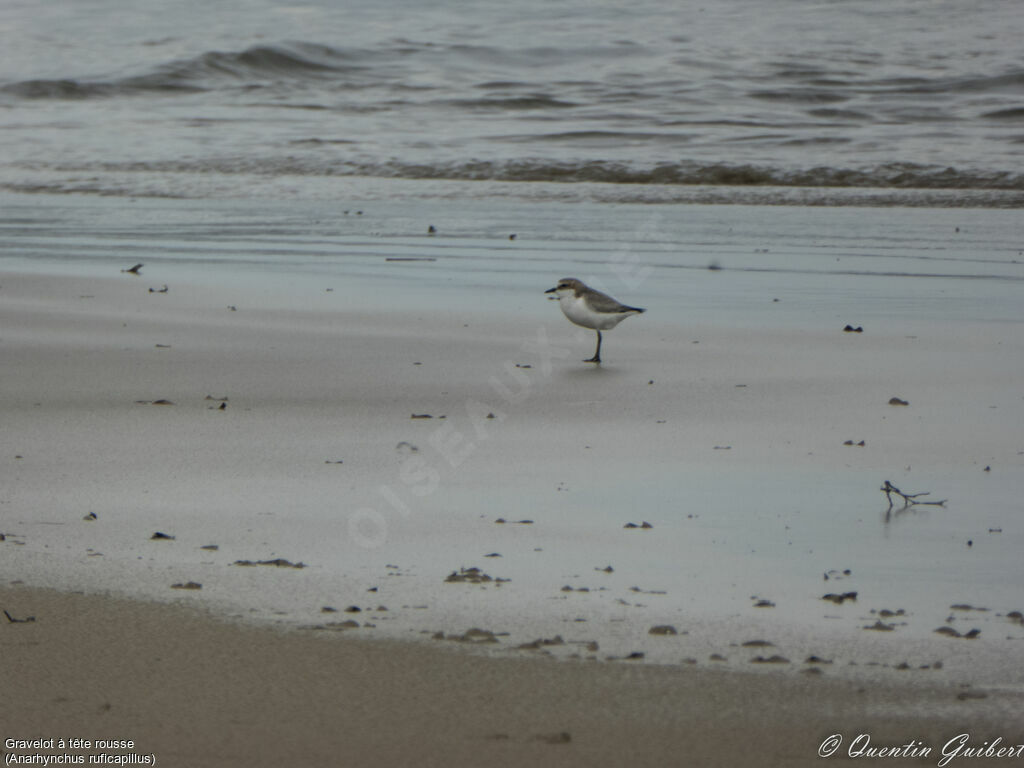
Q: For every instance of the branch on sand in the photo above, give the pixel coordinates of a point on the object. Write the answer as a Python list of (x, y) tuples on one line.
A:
[(909, 499)]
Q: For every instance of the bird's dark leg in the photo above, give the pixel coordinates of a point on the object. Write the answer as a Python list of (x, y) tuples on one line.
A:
[(597, 353)]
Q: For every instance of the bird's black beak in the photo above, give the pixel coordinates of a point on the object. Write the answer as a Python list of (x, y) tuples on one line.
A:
[(551, 290)]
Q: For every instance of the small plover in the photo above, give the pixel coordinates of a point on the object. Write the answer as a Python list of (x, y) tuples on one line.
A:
[(591, 309)]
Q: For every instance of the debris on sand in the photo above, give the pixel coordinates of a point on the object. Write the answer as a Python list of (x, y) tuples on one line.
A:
[(647, 591), (634, 656), (160, 536), (335, 626), (909, 499), (541, 642), (881, 627), (950, 632), (473, 636), (887, 613), (187, 585), (12, 620), (472, 576), (817, 660), (839, 599), (279, 563), (662, 629)]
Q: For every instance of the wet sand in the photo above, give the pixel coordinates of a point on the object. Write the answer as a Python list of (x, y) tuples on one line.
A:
[(246, 421), (308, 528)]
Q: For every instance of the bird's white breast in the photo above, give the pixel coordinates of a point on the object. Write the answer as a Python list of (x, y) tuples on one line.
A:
[(576, 309)]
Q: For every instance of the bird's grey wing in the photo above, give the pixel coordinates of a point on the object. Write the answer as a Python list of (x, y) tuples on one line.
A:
[(601, 302)]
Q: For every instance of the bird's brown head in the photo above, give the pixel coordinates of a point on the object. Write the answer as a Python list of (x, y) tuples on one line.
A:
[(565, 285)]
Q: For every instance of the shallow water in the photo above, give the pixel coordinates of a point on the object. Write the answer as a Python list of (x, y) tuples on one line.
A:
[(700, 265)]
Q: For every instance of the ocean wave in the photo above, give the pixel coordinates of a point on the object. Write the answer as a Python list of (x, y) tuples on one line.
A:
[(1010, 81), (67, 89), (204, 72), (531, 101), (893, 176), (801, 95), (1011, 113)]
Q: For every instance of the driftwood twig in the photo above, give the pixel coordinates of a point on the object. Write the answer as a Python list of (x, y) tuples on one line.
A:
[(13, 620), (909, 499)]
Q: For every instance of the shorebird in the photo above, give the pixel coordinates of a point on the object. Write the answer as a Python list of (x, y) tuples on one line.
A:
[(591, 309)]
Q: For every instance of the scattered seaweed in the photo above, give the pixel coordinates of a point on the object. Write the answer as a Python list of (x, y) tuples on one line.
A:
[(472, 576), (662, 629), (839, 599), (950, 632), (335, 626), (541, 642), (279, 563), (880, 626)]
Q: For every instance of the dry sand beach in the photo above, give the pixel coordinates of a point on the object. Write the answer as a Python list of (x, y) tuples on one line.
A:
[(335, 511), (188, 689)]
